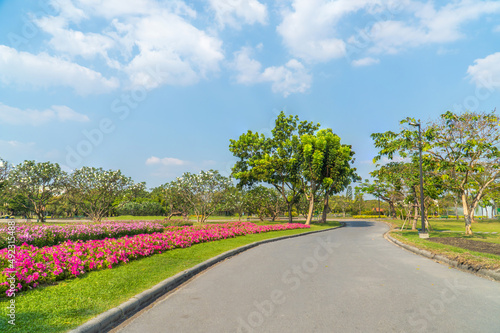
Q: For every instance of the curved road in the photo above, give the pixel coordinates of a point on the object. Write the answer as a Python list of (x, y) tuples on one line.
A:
[(345, 280)]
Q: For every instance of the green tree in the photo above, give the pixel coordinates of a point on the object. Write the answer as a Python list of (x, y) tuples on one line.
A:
[(325, 165), (5, 169), (274, 160), (175, 202), (236, 200), (38, 182), (264, 202), (205, 192), (359, 201), (462, 148), (388, 184), (93, 190)]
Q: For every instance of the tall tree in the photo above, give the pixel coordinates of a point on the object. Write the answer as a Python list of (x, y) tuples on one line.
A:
[(5, 169), (462, 148), (325, 166), (38, 182), (205, 191), (235, 200), (175, 202), (93, 190), (264, 202), (274, 160)]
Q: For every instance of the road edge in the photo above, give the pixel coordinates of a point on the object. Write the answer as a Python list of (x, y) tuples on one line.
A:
[(486, 273), (117, 315)]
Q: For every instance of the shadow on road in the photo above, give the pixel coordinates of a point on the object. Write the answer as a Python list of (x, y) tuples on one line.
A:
[(359, 224)]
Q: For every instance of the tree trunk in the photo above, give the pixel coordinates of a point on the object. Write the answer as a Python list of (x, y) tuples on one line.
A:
[(467, 216), (392, 209), (325, 208), (415, 219), (289, 212), (39, 213), (311, 208)]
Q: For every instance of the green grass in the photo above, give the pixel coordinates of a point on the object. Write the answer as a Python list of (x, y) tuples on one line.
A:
[(462, 255), (456, 225), (455, 228), (70, 303)]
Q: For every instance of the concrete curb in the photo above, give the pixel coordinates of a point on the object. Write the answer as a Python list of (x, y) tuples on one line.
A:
[(495, 275), (111, 318)]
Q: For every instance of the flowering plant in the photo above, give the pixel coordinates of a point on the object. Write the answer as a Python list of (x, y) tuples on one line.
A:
[(33, 265)]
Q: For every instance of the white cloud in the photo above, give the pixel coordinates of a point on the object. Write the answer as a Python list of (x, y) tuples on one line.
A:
[(485, 72), (171, 51), (74, 42), (14, 116), (308, 30), (249, 70), (153, 43), (427, 24), (166, 161), (288, 79), (365, 62), (43, 70), (318, 30), (16, 144), (293, 77), (234, 13)]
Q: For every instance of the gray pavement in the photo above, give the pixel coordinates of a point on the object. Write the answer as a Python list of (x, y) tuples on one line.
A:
[(345, 280)]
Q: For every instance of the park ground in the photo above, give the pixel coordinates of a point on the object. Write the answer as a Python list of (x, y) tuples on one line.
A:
[(72, 302), (447, 237)]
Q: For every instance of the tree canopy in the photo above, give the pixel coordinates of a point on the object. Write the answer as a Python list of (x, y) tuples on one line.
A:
[(296, 160), (38, 182), (93, 190), (462, 149)]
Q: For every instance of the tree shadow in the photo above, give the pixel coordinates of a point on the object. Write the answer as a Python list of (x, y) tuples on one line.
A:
[(359, 224)]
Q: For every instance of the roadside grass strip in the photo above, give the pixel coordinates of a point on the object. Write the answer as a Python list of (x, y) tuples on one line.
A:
[(33, 266), (474, 259), (47, 235)]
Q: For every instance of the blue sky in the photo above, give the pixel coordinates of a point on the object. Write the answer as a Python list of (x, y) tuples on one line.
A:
[(157, 88)]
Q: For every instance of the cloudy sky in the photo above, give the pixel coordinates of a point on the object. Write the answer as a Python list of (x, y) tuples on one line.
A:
[(157, 88)]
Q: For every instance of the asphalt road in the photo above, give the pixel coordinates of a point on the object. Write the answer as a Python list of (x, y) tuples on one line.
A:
[(345, 280)]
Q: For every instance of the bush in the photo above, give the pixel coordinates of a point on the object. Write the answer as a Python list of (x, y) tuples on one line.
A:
[(371, 216), (146, 208)]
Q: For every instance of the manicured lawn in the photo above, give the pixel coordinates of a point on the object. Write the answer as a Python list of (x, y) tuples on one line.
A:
[(61, 307), (456, 225), (462, 255), (483, 231)]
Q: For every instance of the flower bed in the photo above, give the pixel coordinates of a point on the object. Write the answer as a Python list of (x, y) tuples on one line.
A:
[(46, 235), (31, 266)]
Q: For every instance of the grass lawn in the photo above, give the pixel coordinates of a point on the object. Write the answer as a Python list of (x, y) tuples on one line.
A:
[(483, 231), (70, 303)]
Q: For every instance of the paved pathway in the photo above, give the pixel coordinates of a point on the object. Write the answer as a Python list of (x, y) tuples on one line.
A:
[(345, 280)]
